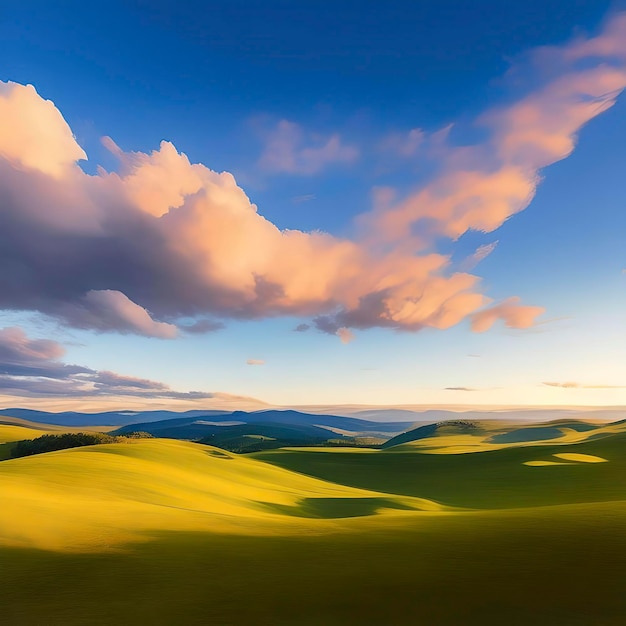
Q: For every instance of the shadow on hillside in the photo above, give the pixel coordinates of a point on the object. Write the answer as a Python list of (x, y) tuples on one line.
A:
[(336, 508)]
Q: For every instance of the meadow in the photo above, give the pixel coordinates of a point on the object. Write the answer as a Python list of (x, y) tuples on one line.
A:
[(450, 528)]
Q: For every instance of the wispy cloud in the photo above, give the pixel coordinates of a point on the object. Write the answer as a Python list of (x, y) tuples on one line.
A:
[(459, 389), (33, 367), (480, 254), (573, 385), (403, 144), (255, 362), (307, 197), (510, 312), (290, 149)]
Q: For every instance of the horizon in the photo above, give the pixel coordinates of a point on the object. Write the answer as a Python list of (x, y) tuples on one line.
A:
[(313, 312)]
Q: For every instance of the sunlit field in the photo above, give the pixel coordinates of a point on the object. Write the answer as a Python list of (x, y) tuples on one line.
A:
[(162, 531)]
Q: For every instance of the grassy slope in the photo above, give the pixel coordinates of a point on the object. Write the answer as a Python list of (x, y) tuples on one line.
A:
[(487, 480), (17, 421), (455, 438), (102, 496), (10, 433), (165, 532), (14, 429), (546, 567)]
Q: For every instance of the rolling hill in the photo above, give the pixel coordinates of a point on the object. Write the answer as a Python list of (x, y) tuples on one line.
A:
[(164, 532), (106, 495), (457, 436)]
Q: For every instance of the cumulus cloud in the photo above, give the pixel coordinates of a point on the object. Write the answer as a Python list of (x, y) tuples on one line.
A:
[(39, 138), (291, 150), (111, 310), (255, 362), (33, 367), (164, 243)]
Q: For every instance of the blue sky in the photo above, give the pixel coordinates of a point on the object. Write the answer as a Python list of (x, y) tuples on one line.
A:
[(313, 107)]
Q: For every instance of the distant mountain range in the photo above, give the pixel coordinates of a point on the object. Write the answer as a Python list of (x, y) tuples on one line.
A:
[(380, 420), (197, 424), (248, 431), (238, 431)]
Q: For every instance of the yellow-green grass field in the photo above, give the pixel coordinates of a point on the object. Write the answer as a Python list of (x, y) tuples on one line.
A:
[(167, 532)]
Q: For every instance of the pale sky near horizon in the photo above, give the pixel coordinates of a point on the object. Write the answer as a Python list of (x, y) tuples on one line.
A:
[(313, 203)]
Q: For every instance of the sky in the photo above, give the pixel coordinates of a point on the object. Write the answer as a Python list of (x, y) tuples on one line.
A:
[(224, 204)]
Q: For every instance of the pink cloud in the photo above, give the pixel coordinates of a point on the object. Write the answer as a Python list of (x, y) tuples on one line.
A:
[(33, 368), (112, 310), (482, 186), (513, 314), (164, 241), (290, 150), (573, 385), (34, 134), (16, 347), (480, 254), (345, 334)]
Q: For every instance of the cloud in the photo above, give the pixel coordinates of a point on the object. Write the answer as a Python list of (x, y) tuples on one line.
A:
[(163, 241), (255, 362), (404, 144), (572, 385), (480, 254), (345, 334), (302, 328), (459, 389), (304, 198), (33, 368), (111, 310), (21, 356), (201, 327), (510, 312), (38, 138), (291, 150)]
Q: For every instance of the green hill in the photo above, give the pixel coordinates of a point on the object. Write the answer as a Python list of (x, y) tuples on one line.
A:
[(167, 532), (117, 491), (491, 479), (457, 436), (440, 429)]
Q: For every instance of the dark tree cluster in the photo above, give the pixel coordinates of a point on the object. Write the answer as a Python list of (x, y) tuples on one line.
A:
[(53, 442)]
